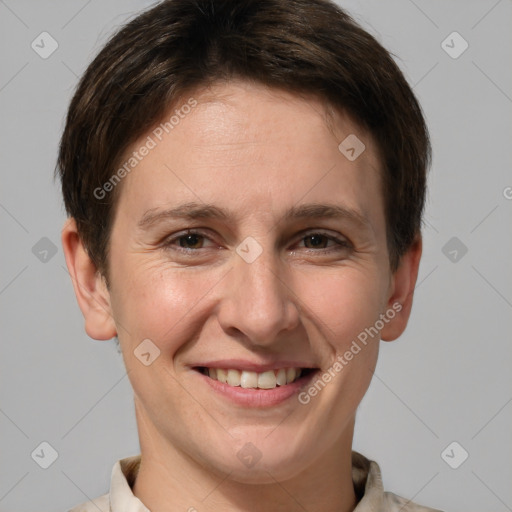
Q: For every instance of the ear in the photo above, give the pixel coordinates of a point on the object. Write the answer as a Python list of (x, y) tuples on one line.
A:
[(90, 288), (402, 285)]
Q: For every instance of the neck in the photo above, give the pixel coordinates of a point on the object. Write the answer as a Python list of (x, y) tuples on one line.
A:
[(168, 479)]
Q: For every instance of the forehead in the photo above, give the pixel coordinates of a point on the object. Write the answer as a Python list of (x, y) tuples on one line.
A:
[(243, 146)]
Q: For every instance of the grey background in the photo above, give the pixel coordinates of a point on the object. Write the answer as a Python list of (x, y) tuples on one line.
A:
[(447, 379)]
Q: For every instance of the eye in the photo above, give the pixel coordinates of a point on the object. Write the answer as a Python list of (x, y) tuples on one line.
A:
[(318, 240), (189, 241), (192, 241)]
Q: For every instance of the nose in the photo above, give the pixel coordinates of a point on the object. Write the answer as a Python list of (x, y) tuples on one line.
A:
[(258, 302)]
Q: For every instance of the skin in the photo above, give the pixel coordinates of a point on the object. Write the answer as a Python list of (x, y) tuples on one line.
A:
[(257, 152)]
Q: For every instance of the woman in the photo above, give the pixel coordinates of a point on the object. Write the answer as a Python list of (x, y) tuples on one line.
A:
[(245, 182)]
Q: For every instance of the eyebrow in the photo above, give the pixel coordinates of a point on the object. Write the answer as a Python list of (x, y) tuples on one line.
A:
[(193, 210)]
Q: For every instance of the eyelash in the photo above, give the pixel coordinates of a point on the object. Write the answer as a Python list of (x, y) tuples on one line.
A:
[(342, 244)]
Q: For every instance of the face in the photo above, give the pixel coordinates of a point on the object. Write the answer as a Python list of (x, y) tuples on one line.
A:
[(279, 266)]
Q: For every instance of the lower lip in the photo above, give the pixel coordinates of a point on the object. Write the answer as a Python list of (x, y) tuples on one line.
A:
[(257, 398)]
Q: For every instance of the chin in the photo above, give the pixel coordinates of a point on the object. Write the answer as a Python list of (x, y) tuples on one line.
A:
[(248, 464)]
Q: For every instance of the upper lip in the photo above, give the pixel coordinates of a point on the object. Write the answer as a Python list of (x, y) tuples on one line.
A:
[(251, 366)]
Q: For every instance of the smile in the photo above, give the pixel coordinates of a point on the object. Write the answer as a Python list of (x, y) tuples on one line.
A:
[(269, 379)]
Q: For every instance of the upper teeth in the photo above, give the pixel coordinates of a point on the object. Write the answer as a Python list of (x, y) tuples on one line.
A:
[(264, 380)]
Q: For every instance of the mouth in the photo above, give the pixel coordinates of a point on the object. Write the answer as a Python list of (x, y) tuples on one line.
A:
[(266, 380)]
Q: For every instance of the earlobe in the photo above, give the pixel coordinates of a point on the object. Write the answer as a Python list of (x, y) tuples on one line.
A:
[(402, 287), (90, 289)]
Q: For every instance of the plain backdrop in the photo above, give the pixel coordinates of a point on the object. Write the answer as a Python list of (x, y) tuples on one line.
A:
[(447, 380)]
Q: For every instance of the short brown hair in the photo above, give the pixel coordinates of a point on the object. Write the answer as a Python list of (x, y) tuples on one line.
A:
[(303, 46)]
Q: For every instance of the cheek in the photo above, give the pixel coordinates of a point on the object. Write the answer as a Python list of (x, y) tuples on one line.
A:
[(342, 302), (169, 306), (163, 304)]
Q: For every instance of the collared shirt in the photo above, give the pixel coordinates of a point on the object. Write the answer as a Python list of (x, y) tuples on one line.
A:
[(366, 476)]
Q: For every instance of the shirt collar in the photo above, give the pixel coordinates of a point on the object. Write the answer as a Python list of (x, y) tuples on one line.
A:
[(123, 477), (366, 477)]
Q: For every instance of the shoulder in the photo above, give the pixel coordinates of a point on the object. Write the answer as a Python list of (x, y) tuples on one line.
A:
[(368, 485), (100, 504), (394, 503)]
